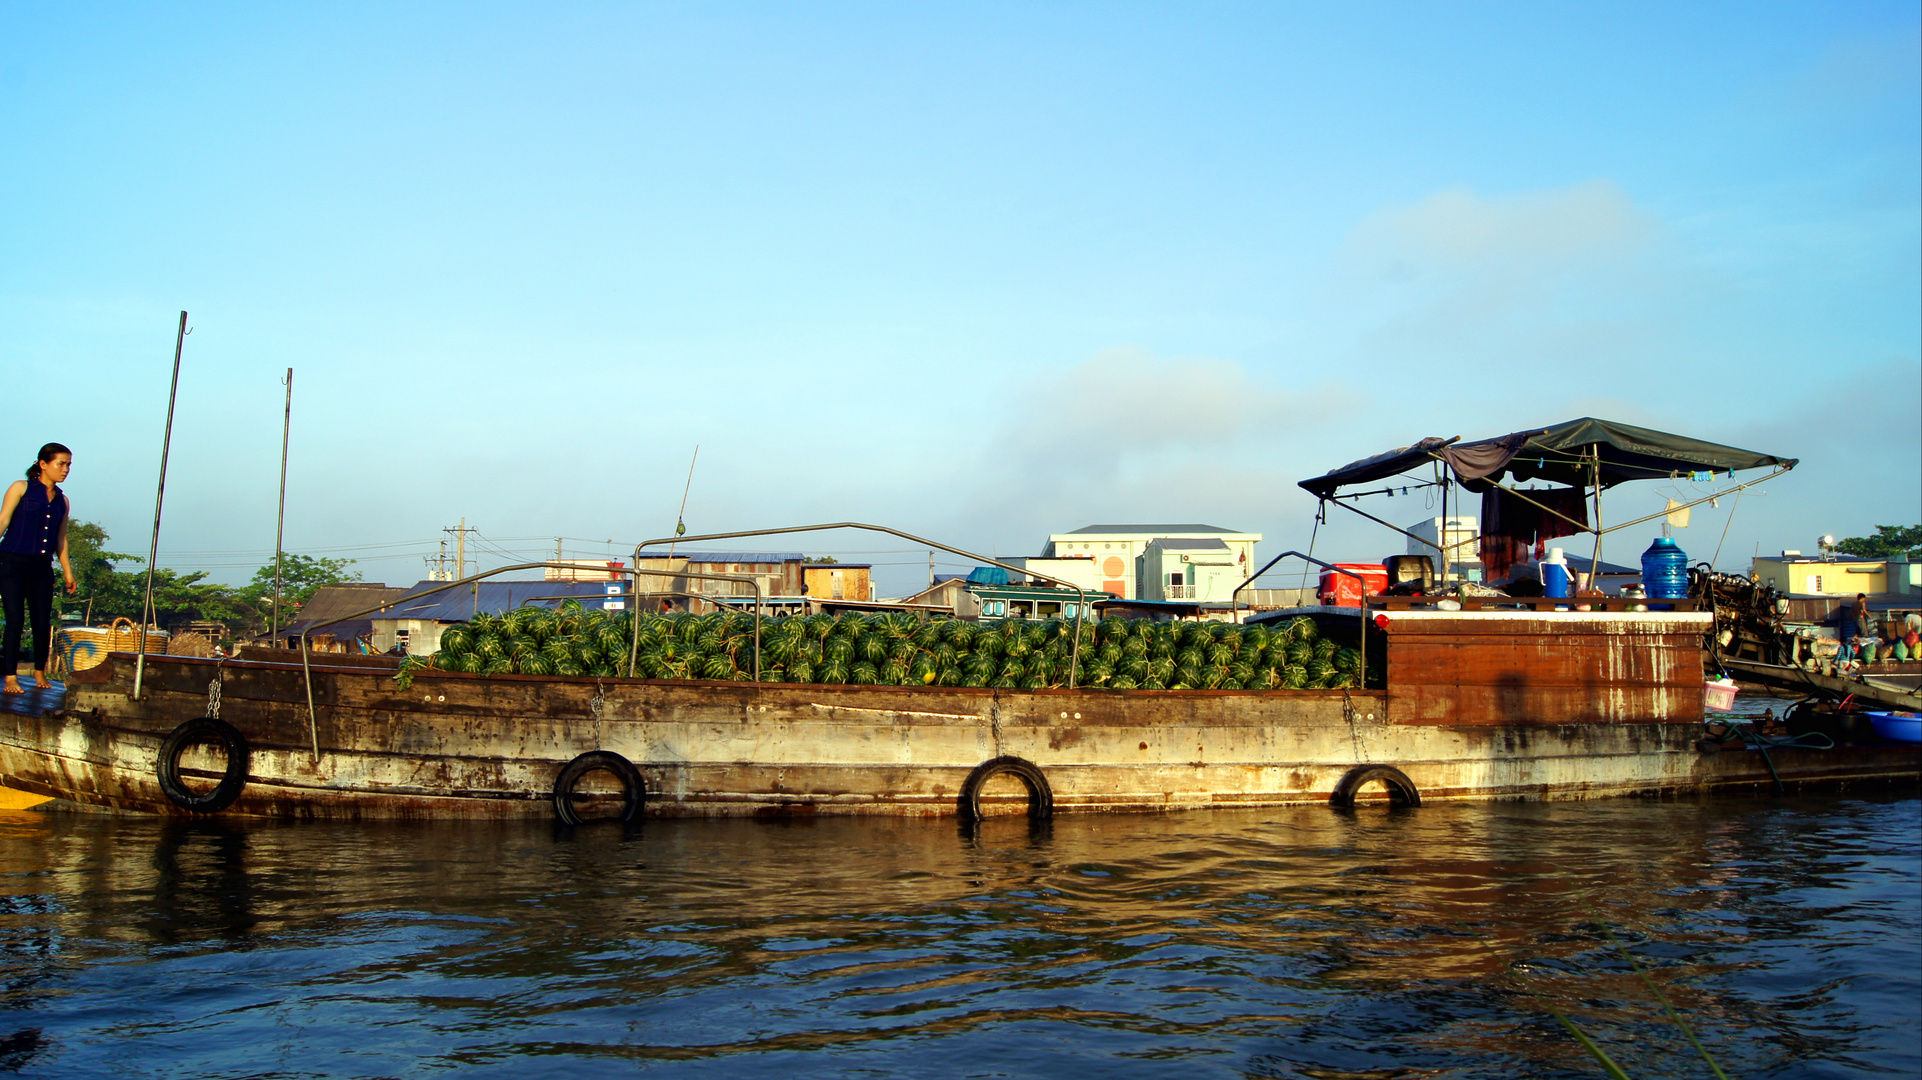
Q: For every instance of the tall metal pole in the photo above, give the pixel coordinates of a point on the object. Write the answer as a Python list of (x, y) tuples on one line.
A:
[(280, 521), (680, 528), (160, 495), (680, 516)]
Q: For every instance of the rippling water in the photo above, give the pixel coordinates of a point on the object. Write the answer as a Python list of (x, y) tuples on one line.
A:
[(1291, 943)]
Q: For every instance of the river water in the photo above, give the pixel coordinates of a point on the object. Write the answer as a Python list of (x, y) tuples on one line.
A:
[(1303, 942)]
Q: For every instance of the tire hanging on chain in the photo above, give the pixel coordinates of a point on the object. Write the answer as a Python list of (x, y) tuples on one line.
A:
[(633, 787), (1040, 794), (232, 781), (1401, 790)]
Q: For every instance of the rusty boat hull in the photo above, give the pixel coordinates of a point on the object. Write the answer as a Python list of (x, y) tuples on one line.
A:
[(1479, 705)]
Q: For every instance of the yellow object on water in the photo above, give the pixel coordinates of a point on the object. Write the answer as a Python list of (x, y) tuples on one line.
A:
[(21, 800)]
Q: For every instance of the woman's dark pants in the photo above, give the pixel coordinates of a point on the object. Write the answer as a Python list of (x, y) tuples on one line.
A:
[(26, 581)]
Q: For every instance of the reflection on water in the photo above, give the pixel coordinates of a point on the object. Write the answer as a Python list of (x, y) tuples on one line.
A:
[(1278, 943)]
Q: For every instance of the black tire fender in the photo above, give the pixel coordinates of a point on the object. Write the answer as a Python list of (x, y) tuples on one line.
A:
[(1040, 795), (232, 782), (633, 787), (1401, 790)]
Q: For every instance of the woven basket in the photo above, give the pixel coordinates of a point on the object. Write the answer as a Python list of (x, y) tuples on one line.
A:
[(81, 647)]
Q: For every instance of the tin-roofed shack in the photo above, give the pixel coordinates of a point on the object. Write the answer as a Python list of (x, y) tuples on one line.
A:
[(415, 625), (331, 602)]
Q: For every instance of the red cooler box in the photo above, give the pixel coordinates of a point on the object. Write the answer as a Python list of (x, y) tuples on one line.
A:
[(1340, 590)]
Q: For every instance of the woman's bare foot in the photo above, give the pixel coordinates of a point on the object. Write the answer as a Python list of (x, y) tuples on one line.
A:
[(13, 685), (40, 679)]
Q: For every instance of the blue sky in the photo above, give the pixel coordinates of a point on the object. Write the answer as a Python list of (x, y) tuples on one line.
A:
[(983, 273)]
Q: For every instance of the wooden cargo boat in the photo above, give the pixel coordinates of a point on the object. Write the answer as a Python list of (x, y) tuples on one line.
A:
[(1517, 700), (1479, 704)]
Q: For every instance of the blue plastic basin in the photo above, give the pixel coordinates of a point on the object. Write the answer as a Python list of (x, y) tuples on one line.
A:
[(1897, 726)]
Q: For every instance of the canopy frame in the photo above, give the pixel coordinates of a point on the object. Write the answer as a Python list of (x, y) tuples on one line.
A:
[(1587, 464)]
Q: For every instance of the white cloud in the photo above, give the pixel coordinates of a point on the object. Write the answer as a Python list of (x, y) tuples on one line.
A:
[(1130, 436), (1457, 230)]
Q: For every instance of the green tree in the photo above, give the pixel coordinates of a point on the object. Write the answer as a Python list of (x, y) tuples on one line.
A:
[(104, 593), (1888, 541), (301, 576), (183, 598)]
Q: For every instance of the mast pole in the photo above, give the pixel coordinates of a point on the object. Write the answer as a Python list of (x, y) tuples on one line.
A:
[(280, 519), (1595, 562), (160, 495)]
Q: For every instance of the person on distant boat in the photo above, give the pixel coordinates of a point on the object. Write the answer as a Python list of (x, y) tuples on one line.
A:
[(33, 531)]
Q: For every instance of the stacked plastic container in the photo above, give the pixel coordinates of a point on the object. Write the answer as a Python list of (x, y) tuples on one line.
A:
[(1665, 572)]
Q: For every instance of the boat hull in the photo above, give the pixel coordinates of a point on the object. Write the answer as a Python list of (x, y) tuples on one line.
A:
[(452, 745)]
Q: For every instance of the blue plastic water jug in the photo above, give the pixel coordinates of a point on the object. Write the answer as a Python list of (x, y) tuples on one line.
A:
[(1665, 570), (1554, 571)]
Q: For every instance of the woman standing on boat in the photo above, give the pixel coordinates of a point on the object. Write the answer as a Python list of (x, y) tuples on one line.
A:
[(33, 529)]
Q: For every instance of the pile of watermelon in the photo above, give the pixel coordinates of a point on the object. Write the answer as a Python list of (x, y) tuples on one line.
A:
[(897, 649)]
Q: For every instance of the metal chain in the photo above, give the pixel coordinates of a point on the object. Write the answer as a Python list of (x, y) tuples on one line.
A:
[(1354, 732), (994, 726), (213, 688), (597, 708)]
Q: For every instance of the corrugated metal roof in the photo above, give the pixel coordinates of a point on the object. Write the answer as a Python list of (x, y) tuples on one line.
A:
[(459, 603), (1190, 545), (333, 601), (1580, 563), (742, 556)]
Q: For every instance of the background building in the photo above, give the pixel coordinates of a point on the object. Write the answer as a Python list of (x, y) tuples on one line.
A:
[(778, 573), (586, 570), (1201, 571), (1117, 549), (1838, 575), (416, 622), (839, 581), (1461, 536), (330, 602)]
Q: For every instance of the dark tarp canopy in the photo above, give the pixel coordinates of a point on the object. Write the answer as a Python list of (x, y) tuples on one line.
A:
[(1565, 454)]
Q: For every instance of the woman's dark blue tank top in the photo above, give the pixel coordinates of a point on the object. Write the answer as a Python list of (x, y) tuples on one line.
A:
[(35, 528)]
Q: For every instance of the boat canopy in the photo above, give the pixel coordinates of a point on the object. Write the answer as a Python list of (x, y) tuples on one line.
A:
[(1577, 453)]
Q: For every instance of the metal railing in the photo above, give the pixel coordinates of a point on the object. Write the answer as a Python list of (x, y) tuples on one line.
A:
[(306, 667), (1362, 639)]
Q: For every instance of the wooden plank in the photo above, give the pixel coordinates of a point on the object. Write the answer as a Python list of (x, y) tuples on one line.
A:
[(1534, 603), (1478, 672)]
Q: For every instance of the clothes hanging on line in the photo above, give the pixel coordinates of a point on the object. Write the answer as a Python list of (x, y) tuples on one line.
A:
[(1512, 526)]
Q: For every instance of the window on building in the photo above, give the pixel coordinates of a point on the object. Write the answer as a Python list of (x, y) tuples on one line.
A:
[(1175, 580)]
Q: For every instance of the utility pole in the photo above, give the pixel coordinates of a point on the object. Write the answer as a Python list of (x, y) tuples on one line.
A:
[(460, 548), (460, 558), (930, 568)]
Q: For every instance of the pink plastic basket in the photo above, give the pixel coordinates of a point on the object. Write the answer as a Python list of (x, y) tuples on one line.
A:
[(1719, 694)]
